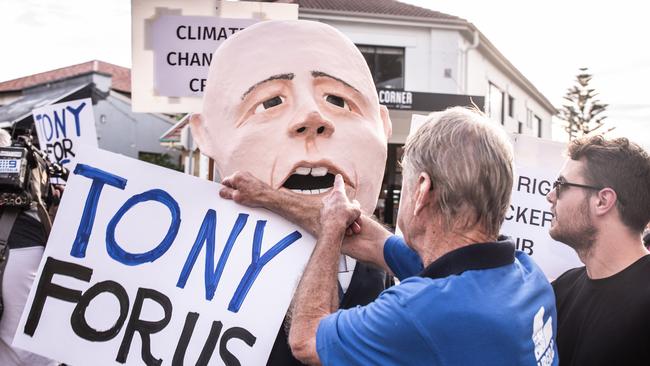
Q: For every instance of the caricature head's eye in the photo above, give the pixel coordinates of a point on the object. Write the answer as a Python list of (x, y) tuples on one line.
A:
[(337, 101), (269, 103)]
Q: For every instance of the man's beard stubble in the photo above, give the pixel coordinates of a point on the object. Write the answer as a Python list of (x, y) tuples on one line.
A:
[(576, 230)]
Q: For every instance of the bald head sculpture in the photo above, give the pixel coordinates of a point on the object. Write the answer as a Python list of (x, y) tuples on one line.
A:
[(293, 102)]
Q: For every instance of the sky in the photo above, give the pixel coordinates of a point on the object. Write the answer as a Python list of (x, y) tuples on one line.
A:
[(546, 40)]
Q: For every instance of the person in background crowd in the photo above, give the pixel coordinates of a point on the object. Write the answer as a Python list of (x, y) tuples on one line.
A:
[(600, 202), (477, 301), (26, 245)]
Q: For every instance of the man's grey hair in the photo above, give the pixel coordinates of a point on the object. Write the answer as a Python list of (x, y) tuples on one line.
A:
[(470, 162), (5, 138)]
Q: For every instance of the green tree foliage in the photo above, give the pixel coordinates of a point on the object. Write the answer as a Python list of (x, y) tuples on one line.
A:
[(581, 110), (163, 160)]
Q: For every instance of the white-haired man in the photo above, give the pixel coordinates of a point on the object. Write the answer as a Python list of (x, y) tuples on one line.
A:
[(476, 302)]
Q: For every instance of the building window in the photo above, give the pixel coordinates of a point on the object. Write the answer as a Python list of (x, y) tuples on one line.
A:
[(495, 103), (386, 65), (529, 119), (511, 106), (520, 127), (539, 126)]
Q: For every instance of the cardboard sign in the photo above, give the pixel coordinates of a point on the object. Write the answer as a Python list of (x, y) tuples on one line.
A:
[(63, 127), (146, 264), (537, 164), (162, 39), (183, 47)]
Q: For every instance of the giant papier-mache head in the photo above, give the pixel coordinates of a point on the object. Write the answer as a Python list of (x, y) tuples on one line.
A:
[(293, 102)]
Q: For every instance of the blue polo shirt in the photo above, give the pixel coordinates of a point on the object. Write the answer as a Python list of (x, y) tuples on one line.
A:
[(484, 304)]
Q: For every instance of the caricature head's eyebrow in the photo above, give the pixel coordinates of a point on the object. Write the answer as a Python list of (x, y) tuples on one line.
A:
[(288, 76), (320, 74)]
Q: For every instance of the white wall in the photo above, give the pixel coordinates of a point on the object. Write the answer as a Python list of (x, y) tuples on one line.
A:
[(481, 71), (428, 52)]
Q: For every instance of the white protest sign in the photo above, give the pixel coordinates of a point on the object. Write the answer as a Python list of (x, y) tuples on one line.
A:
[(183, 47), (63, 127), (146, 264), (537, 164), (417, 120)]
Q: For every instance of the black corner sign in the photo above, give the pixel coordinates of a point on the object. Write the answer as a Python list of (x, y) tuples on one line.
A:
[(426, 102)]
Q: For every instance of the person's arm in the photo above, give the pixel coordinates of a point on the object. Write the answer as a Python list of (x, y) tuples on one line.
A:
[(317, 293), (365, 245), (245, 189)]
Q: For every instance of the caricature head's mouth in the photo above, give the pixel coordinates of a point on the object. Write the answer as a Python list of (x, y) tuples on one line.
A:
[(312, 179)]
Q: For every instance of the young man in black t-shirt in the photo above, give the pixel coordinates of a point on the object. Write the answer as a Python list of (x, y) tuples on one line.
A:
[(601, 204)]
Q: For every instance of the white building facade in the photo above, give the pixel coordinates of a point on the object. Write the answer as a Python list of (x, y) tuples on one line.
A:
[(429, 61), (441, 54)]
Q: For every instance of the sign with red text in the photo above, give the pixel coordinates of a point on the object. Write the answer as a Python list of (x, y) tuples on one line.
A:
[(145, 265)]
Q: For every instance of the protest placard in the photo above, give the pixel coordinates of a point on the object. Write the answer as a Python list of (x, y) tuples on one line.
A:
[(537, 164), (63, 127), (183, 47), (173, 42), (147, 264)]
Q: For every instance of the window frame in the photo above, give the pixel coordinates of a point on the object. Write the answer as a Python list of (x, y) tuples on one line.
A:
[(375, 67), (501, 118)]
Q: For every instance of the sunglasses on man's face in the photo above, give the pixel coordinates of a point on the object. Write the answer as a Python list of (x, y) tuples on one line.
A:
[(559, 183)]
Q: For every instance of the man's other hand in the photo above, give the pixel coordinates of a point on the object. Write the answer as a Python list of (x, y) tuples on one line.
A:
[(338, 213), (245, 189)]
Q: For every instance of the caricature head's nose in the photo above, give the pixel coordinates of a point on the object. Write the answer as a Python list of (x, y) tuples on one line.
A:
[(313, 125)]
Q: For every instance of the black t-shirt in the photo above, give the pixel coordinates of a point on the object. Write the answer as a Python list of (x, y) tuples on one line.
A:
[(604, 321), (26, 232)]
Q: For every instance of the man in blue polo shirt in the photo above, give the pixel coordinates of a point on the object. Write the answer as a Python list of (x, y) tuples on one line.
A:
[(466, 296)]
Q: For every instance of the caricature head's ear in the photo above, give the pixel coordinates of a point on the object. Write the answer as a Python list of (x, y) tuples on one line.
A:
[(200, 133), (385, 118)]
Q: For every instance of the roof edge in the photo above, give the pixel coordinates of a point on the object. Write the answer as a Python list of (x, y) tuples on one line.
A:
[(309, 11)]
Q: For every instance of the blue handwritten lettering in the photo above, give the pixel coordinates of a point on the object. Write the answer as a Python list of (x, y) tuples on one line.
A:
[(132, 259), (76, 112), (207, 235), (257, 263), (59, 123), (99, 178)]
